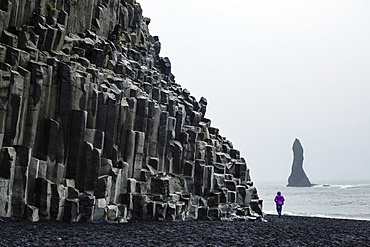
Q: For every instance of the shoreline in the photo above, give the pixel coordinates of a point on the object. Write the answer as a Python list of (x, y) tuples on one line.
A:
[(316, 216), (285, 231)]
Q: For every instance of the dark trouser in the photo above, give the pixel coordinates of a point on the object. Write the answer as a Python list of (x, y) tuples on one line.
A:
[(279, 208)]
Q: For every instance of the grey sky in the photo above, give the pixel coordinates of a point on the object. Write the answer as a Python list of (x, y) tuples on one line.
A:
[(273, 71)]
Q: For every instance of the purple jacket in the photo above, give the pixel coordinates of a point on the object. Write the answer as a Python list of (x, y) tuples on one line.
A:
[(279, 199)]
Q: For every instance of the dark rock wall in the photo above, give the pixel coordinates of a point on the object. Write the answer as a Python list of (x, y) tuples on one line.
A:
[(298, 177), (94, 127)]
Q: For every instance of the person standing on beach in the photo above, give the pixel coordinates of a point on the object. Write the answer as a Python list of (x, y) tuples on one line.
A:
[(279, 200)]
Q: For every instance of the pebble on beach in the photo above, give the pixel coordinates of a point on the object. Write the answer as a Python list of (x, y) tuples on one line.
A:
[(285, 231)]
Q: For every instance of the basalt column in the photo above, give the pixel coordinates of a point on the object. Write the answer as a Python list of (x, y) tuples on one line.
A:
[(94, 126)]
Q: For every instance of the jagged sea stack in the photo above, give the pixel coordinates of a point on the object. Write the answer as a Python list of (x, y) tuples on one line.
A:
[(93, 126), (298, 177)]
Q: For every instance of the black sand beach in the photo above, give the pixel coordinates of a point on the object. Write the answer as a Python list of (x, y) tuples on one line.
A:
[(286, 231)]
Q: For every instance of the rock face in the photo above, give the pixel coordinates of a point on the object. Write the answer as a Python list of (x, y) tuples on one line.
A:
[(93, 126), (298, 177)]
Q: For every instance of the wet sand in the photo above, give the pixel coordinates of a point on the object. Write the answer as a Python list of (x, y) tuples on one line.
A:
[(285, 231)]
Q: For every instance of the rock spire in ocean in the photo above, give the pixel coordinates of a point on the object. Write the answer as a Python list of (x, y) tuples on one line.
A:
[(298, 177)]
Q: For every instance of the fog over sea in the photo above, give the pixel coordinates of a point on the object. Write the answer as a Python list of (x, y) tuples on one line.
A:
[(330, 199)]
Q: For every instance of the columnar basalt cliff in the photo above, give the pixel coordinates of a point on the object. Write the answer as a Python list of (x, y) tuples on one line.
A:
[(93, 126), (298, 177)]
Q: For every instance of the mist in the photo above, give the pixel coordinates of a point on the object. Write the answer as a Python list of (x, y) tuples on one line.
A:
[(273, 71)]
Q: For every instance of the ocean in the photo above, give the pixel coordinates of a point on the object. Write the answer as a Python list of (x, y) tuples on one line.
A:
[(335, 199)]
